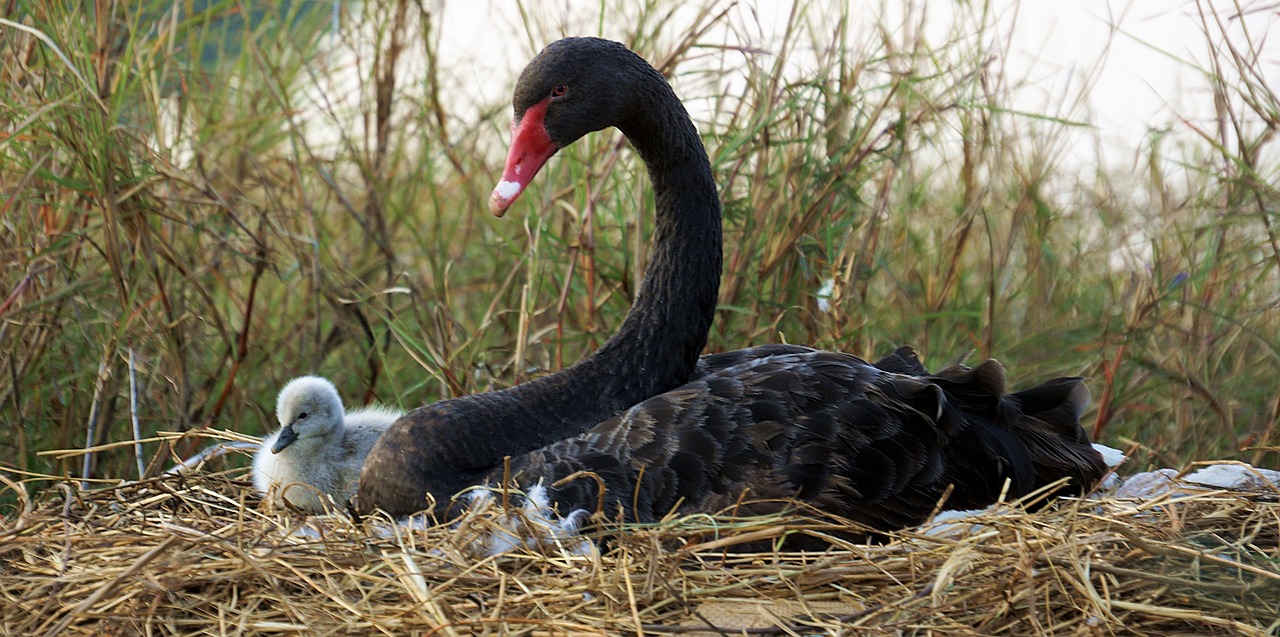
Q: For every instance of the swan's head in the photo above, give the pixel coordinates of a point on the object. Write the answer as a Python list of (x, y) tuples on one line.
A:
[(573, 87), (308, 408)]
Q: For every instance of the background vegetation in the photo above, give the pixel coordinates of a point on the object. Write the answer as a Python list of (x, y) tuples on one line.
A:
[(194, 212)]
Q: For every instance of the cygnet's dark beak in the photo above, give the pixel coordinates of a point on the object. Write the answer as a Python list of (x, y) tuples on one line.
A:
[(286, 438)]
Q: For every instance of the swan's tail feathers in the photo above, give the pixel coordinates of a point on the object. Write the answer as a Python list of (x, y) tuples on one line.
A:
[(984, 460), (976, 392), (903, 360), (1046, 419), (974, 389), (1032, 439)]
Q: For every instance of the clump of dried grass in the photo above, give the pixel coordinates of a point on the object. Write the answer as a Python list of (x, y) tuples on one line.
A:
[(199, 554)]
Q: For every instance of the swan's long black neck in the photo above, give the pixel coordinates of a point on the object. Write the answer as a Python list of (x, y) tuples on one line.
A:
[(659, 341), (655, 349)]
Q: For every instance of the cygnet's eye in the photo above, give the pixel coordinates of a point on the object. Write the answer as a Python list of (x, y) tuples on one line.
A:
[(559, 90), (302, 416)]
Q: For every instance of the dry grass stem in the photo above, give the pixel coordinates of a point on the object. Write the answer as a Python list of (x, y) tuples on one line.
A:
[(198, 554)]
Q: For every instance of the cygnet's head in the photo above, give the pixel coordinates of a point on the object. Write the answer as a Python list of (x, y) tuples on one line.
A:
[(308, 408)]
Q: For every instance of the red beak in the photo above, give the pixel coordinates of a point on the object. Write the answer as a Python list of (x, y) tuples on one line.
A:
[(531, 147)]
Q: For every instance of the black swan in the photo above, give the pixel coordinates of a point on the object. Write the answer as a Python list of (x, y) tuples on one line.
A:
[(319, 449), (770, 425)]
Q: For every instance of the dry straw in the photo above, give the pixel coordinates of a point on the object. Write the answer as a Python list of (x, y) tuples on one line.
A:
[(199, 554)]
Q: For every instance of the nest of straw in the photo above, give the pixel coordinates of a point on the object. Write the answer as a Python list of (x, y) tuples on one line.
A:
[(201, 554)]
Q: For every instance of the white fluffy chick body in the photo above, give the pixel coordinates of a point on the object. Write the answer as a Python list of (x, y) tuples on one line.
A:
[(320, 448)]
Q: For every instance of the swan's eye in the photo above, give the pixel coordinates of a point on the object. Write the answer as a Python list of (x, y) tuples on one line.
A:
[(302, 416), (559, 90)]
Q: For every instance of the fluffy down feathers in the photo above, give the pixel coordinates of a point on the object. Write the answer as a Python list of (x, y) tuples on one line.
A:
[(319, 450)]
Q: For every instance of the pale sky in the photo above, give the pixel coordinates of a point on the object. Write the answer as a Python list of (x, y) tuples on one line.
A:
[(1138, 63), (1127, 67)]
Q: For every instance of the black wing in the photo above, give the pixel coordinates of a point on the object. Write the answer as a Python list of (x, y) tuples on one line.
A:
[(852, 439)]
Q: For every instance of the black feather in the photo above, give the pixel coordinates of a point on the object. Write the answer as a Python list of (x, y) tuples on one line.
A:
[(664, 430)]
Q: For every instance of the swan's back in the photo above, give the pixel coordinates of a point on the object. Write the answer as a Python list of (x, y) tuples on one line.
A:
[(849, 438)]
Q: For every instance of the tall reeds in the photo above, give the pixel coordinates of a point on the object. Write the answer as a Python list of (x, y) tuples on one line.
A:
[(200, 205)]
